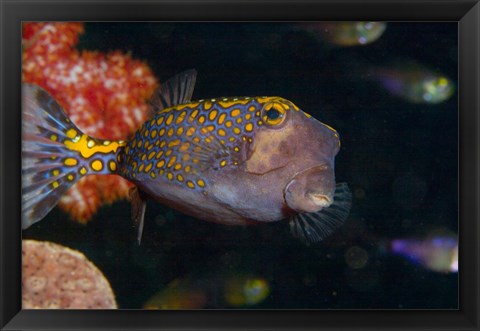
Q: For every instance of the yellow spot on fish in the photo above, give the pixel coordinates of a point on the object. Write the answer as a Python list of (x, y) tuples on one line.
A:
[(53, 137), (208, 104), (186, 157), (181, 117), (161, 132), (159, 155), (170, 176), (107, 142), (56, 172), (221, 132), (236, 149), (70, 162), (72, 133), (190, 131), (251, 108), (177, 166), (239, 120), (235, 112), (160, 120), (152, 174), (184, 147), (151, 155), (248, 116), (160, 163), (212, 115), (223, 163), (83, 171), (228, 124), (163, 143), (140, 169), (97, 165), (187, 169), (169, 119), (190, 184), (201, 183), (144, 157), (173, 143), (70, 177), (148, 167), (193, 115), (55, 184), (170, 132), (112, 165), (249, 127), (236, 130), (211, 128), (180, 131), (90, 143), (146, 133), (134, 165), (139, 144), (231, 139), (171, 161), (180, 178), (153, 134), (201, 119), (221, 118)]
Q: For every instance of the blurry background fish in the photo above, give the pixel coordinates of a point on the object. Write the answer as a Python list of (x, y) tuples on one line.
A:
[(437, 253), (412, 82), (346, 33), (212, 291)]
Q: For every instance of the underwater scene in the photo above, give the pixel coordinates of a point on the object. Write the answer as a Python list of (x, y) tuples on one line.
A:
[(240, 165)]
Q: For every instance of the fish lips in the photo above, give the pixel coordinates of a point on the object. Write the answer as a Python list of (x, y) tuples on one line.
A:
[(311, 189)]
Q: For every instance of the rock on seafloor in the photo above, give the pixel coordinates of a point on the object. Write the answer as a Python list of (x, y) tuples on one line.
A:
[(57, 277)]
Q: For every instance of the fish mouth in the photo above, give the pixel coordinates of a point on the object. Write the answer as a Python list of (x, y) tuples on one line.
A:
[(311, 189), (319, 199)]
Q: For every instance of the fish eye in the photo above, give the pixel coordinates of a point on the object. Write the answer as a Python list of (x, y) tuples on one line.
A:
[(273, 113)]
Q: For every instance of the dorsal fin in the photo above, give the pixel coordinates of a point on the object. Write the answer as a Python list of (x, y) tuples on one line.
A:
[(175, 91)]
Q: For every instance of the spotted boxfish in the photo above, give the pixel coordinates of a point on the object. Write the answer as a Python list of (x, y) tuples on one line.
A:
[(236, 160)]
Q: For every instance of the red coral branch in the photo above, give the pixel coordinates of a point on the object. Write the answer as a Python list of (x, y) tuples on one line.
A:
[(104, 95)]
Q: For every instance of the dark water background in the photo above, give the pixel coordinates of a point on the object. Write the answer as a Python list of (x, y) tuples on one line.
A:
[(400, 160)]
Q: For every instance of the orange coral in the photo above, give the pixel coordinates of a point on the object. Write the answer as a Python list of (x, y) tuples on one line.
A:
[(104, 94)]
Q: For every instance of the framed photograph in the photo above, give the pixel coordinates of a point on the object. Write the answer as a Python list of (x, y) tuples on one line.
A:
[(269, 165)]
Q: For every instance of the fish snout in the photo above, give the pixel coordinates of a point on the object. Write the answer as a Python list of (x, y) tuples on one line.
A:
[(311, 190)]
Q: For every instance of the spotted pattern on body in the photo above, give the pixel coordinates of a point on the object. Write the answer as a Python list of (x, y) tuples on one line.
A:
[(179, 142)]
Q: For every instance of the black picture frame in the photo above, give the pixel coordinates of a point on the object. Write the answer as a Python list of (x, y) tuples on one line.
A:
[(466, 13)]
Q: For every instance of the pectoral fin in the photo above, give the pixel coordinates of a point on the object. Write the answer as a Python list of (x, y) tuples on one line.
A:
[(139, 205), (314, 227)]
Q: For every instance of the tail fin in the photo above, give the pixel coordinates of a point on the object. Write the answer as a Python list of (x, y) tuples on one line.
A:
[(55, 154)]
